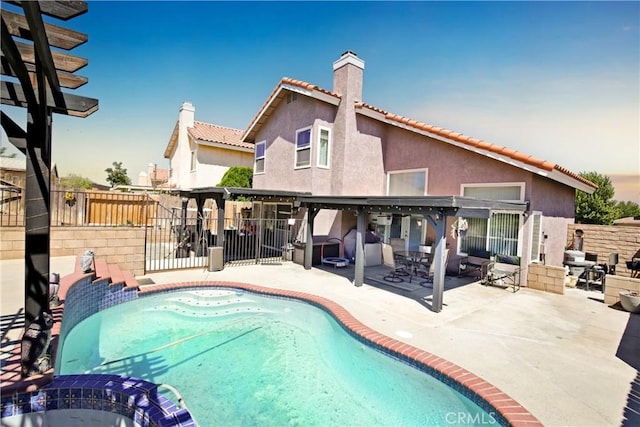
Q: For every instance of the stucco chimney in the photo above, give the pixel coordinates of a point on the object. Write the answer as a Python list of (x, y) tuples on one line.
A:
[(187, 114), (347, 77)]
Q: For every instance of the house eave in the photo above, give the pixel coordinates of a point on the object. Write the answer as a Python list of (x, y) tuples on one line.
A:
[(550, 173)]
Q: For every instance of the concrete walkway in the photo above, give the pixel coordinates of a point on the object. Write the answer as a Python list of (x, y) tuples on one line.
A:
[(569, 359)]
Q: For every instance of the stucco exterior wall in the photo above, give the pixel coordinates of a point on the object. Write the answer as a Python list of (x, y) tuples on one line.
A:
[(213, 162), (280, 136)]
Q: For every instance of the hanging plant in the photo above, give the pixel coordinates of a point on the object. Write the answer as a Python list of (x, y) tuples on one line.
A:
[(70, 198), (459, 228)]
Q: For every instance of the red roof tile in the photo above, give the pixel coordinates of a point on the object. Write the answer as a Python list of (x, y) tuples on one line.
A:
[(269, 105), (274, 98), (508, 152), (218, 134)]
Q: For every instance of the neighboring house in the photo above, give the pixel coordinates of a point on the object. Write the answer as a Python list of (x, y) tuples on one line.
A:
[(154, 177), (13, 171), (332, 143), (200, 153)]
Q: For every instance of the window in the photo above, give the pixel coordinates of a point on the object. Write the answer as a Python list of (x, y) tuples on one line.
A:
[(324, 146), (193, 160), (500, 233), (407, 183), (303, 148), (260, 148)]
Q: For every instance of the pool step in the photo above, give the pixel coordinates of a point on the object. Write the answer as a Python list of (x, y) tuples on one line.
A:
[(103, 270), (209, 307)]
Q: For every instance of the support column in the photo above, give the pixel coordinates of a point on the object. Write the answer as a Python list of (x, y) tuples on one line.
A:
[(360, 240), (438, 223), (312, 211)]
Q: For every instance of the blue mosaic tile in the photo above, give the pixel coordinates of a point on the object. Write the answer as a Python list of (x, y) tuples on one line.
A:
[(92, 399), (7, 407), (52, 399), (39, 401), (21, 403)]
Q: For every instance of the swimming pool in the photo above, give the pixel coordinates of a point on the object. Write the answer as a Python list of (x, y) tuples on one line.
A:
[(239, 358)]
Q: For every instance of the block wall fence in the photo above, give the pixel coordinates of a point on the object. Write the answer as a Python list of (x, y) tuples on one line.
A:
[(123, 246), (604, 240)]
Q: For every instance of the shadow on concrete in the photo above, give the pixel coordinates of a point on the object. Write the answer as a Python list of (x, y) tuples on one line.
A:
[(629, 352), (416, 289)]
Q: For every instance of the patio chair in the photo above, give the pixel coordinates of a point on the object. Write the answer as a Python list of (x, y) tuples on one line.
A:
[(398, 270), (431, 272)]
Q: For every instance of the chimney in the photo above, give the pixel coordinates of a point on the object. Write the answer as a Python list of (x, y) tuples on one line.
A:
[(347, 77), (187, 114)]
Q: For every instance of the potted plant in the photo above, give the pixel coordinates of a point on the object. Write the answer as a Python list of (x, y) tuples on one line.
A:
[(70, 198), (630, 301)]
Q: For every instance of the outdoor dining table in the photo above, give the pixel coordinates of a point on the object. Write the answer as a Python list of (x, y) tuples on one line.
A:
[(413, 260)]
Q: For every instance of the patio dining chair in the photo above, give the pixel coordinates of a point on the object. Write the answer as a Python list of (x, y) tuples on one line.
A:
[(397, 269), (431, 270)]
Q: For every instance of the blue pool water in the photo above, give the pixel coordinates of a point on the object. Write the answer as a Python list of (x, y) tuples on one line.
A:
[(239, 358)]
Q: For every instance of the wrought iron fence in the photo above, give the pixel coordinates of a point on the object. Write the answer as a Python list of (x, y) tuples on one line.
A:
[(175, 242), (11, 207)]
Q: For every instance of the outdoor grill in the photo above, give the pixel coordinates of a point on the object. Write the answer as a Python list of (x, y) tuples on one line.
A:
[(585, 266)]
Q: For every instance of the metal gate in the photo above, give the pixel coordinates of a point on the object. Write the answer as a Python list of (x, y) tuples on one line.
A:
[(174, 241)]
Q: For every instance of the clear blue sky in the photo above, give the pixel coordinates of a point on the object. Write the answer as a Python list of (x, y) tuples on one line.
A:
[(559, 81)]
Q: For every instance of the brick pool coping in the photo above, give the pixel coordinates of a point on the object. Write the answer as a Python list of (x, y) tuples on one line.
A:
[(511, 411)]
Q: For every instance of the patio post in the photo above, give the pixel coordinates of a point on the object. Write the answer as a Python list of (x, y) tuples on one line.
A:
[(439, 260), (312, 211), (360, 230)]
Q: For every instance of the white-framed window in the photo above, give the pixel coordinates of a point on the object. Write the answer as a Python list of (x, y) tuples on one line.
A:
[(537, 245), (500, 233), (503, 191), (260, 151), (411, 182), (193, 160), (303, 148), (324, 147)]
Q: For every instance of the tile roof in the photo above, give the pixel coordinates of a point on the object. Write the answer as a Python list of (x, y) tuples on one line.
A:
[(218, 134), (277, 95), (274, 99), (477, 143)]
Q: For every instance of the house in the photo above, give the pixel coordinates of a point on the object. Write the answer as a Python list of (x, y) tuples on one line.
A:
[(330, 142), (154, 177), (200, 153)]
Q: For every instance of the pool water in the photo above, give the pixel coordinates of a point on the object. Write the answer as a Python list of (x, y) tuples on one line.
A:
[(239, 358)]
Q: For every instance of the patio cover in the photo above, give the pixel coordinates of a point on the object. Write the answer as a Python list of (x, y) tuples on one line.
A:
[(435, 210)]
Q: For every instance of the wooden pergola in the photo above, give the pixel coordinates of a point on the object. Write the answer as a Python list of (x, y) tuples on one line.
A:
[(33, 77)]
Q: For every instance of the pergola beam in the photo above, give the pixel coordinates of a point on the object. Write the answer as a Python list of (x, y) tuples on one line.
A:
[(59, 37)]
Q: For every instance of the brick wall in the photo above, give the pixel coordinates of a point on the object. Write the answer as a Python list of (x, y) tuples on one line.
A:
[(123, 246), (604, 240), (546, 278)]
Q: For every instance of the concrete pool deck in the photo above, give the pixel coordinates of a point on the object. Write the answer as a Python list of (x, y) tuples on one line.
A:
[(569, 359)]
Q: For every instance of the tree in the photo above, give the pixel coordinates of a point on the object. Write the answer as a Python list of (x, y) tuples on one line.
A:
[(3, 153), (237, 176), (627, 209), (76, 182), (117, 175), (599, 207)]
